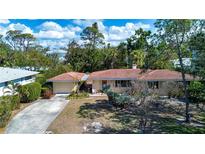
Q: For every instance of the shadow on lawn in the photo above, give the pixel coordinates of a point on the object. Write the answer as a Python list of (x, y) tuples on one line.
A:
[(94, 110), (162, 118)]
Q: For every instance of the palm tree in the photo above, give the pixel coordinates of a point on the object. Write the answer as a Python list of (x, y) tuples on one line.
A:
[(11, 89)]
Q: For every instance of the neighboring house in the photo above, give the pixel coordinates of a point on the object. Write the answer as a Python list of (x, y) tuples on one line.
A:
[(18, 76), (64, 83), (120, 80), (185, 61)]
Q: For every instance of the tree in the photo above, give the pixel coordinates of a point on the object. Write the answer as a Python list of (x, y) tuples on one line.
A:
[(11, 38), (18, 40), (197, 92), (176, 34), (138, 57), (197, 45), (76, 56), (92, 37), (5, 53), (159, 55), (138, 41)]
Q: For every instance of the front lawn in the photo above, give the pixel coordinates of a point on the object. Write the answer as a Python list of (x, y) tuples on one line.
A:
[(81, 115)]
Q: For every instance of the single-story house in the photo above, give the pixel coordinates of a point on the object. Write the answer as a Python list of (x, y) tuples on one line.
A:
[(64, 83), (18, 76), (120, 80)]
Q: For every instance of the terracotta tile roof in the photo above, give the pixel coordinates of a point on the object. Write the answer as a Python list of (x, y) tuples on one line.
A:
[(133, 74), (115, 74), (164, 74), (69, 76)]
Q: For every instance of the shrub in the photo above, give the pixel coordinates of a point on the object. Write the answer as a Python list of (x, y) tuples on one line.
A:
[(173, 89), (118, 100), (46, 93), (30, 92), (40, 78), (196, 92), (12, 100), (78, 95), (5, 112)]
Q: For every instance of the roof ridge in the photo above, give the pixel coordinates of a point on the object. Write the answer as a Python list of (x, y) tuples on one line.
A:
[(148, 73)]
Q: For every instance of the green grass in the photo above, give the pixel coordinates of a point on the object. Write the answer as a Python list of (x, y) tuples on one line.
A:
[(78, 95)]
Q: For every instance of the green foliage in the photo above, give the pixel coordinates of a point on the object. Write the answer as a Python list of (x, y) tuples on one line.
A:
[(197, 45), (118, 100), (197, 92), (40, 78), (5, 113), (58, 69), (30, 92), (92, 37), (78, 95), (138, 58), (12, 100)]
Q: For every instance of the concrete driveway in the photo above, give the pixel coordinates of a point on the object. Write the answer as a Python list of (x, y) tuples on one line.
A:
[(36, 118)]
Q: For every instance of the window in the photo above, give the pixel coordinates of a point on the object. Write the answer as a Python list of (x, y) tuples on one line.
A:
[(122, 83), (6, 83), (28, 77), (17, 80), (2, 84), (153, 84)]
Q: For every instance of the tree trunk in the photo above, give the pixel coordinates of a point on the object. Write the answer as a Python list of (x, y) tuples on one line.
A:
[(185, 86)]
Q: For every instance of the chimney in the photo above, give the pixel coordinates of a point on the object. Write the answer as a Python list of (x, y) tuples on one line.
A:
[(134, 66)]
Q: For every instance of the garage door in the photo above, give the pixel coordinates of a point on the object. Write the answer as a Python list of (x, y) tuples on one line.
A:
[(62, 87)]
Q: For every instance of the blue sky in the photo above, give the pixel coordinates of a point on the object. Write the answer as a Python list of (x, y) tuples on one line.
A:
[(57, 33)]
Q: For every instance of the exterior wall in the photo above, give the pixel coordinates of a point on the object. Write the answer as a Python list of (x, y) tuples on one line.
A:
[(62, 87), (21, 81), (97, 86)]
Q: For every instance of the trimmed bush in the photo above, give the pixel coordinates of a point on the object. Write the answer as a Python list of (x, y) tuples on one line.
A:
[(78, 95), (30, 92)]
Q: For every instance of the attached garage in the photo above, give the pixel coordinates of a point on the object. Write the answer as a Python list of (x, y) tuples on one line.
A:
[(62, 87), (64, 83)]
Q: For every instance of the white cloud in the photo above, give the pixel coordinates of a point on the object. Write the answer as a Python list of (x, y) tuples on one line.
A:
[(113, 34), (52, 30), (53, 44), (17, 26), (53, 35), (49, 34), (49, 25), (120, 33), (21, 27), (4, 21)]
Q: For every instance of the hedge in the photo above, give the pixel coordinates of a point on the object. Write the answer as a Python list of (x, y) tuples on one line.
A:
[(30, 92)]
